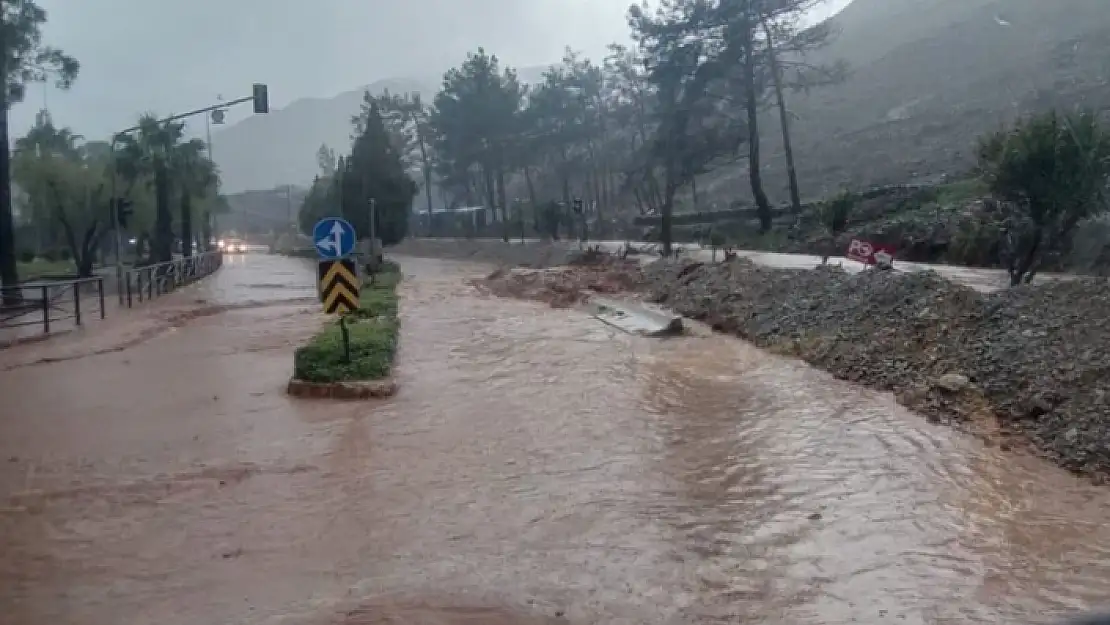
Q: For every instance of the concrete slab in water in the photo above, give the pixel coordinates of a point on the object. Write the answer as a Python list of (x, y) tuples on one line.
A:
[(636, 317)]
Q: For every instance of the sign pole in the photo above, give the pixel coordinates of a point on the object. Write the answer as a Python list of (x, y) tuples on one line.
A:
[(346, 339), (337, 270)]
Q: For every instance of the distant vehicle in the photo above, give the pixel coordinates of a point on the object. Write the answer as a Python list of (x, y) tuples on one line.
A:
[(232, 246)]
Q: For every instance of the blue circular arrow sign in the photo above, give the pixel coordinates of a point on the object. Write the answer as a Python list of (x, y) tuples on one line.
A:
[(334, 238)]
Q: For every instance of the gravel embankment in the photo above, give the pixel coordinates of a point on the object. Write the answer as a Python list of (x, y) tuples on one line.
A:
[(1037, 357)]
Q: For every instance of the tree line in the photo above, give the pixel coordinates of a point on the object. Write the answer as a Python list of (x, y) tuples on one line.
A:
[(67, 188), (165, 187), (628, 134), (632, 133)]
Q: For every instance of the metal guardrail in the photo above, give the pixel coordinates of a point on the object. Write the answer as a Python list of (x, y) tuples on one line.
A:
[(47, 301), (151, 281)]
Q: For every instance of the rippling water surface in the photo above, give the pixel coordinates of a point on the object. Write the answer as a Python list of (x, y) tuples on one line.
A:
[(536, 467)]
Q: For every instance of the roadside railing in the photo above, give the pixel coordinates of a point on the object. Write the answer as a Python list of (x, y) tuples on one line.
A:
[(148, 282), (46, 302)]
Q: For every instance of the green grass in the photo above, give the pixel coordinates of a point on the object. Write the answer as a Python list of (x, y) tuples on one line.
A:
[(373, 329), (39, 268)]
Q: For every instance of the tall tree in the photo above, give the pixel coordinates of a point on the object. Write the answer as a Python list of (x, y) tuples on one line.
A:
[(693, 124), (787, 43), (196, 177), (475, 116), (413, 115), (149, 155), (374, 172), (23, 59)]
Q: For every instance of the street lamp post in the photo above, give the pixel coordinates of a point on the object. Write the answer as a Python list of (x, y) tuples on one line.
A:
[(261, 99)]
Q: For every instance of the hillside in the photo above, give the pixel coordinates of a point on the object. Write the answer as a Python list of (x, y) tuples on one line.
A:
[(928, 76)]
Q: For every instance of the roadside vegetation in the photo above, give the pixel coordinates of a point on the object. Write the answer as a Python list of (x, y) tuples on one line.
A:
[(373, 331), (58, 207), (628, 146)]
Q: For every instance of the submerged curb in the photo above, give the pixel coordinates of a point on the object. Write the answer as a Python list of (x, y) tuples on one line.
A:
[(373, 389)]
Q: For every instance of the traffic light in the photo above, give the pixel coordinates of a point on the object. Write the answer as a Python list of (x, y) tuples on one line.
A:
[(261, 98), (123, 211), (577, 205)]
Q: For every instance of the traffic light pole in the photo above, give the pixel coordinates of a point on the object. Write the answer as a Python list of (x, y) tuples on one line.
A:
[(261, 99)]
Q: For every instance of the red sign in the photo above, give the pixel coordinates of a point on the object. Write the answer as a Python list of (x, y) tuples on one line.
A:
[(870, 253)]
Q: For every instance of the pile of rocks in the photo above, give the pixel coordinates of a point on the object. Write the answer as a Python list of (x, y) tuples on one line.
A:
[(568, 285), (1037, 357)]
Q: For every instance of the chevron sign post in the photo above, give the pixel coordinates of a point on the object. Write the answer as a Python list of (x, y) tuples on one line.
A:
[(339, 287)]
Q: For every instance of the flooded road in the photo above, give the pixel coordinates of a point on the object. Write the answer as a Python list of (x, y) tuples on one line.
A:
[(536, 467)]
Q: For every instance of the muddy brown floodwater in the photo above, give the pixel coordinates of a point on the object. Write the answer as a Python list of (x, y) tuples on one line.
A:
[(537, 467)]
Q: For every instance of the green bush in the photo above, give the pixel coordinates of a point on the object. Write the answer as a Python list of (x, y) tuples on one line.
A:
[(1053, 172), (26, 256), (49, 256), (373, 329), (64, 254)]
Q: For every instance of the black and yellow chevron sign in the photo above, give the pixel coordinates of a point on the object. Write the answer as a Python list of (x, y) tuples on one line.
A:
[(338, 285)]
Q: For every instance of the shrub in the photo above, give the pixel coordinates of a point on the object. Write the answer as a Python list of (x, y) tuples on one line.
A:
[(834, 215), (26, 256), (1053, 171)]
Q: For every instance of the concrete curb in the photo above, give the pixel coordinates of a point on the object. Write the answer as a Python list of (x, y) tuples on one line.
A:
[(371, 389)]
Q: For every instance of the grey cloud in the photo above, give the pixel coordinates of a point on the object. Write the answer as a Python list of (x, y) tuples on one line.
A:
[(173, 55)]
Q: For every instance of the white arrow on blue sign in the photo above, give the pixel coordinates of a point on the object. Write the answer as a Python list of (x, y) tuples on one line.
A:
[(334, 238)]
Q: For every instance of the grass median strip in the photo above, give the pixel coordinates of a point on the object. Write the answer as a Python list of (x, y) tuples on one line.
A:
[(373, 328)]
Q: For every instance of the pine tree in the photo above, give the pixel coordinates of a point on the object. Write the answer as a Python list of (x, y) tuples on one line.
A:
[(374, 171)]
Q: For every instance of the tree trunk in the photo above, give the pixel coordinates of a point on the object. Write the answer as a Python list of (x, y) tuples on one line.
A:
[(87, 256), (751, 97), (490, 191), (162, 250), (504, 204), (784, 117), (9, 272), (186, 223), (206, 231)]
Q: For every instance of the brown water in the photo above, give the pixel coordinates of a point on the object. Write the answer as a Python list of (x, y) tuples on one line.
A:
[(537, 467)]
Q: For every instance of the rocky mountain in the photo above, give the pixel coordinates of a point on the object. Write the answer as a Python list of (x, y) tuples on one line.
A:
[(927, 77)]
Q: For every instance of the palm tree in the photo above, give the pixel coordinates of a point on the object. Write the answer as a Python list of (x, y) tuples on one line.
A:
[(151, 152), (44, 138), (196, 176)]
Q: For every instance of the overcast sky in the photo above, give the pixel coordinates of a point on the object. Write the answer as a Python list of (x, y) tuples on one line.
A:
[(170, 56)]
